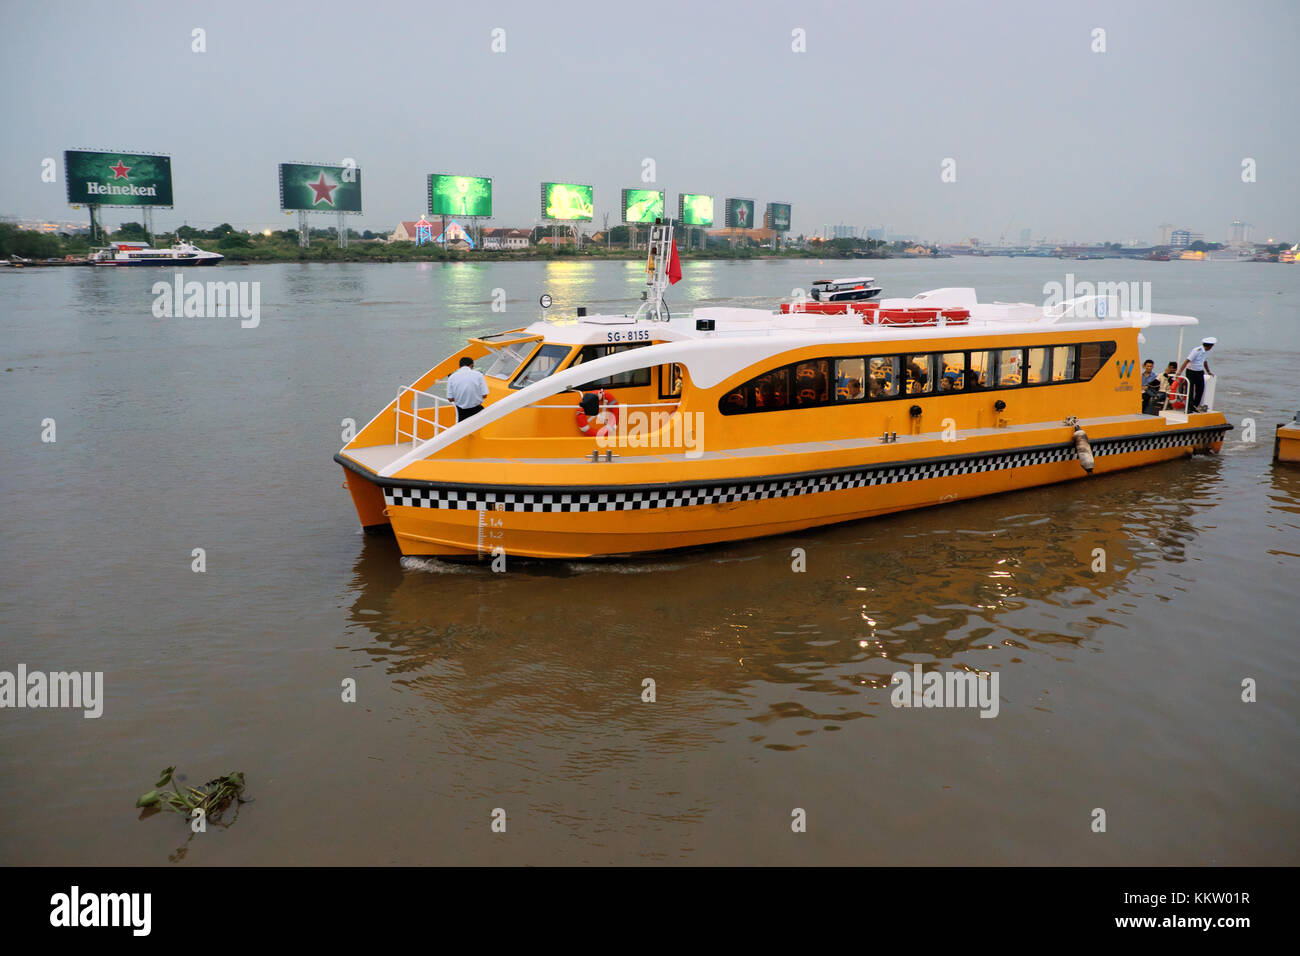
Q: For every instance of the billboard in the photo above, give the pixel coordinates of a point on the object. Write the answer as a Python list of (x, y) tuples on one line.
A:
[(739, 214), (568, 201), (460, 195), (695, 209), (777, 216), (117, 179), (315, 187), (643, 205)]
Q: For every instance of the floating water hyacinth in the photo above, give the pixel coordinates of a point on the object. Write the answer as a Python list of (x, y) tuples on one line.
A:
[(213, 798)]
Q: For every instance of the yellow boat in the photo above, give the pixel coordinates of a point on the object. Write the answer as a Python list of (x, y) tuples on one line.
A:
[(738, 423), (1286, 442)]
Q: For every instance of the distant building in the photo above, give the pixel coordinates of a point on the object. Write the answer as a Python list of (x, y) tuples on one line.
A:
[(1026, 236), (421, 231), (1239, 233), (506, 238), (410, 230), (1166, 231), (876, 233), (1182, 238)]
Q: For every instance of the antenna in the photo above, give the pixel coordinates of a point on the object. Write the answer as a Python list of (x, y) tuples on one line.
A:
[(656, 266)]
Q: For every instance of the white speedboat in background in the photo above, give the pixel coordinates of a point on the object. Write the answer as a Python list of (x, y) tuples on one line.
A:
[(140, 254)]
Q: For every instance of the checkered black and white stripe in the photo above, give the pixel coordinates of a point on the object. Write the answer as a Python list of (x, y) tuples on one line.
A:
[(471, 498)]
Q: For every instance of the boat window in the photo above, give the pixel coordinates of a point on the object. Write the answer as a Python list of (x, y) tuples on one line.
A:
[(546, 361), (771, 392), (918, 374), (1039, 368), (849, 374), (1063, 361), (506, 361), (953, 377), (808, 384), (882, 377), (1092, 356), (670, 381), (630, 379), (983, 370), (811, 383), (1009, 368)]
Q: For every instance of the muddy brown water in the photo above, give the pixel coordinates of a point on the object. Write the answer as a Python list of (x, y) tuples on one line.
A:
[(1118, 689)]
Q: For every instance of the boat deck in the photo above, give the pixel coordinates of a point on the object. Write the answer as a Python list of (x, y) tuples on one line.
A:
[(378, 457)]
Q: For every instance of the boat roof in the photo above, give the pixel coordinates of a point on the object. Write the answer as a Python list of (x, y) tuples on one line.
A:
[(986, 318)]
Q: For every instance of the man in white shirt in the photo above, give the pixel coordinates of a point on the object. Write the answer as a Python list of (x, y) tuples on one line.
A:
[(1197, 368), (466, 388)]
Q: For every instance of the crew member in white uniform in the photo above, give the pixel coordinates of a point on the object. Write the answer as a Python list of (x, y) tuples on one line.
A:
[(467, 388), (1197, 368)]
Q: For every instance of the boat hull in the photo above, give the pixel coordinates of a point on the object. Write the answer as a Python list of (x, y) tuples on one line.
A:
[(159, 263), (1286, 443), (564, 522)]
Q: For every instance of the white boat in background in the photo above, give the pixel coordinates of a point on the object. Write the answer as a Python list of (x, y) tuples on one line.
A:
[(857, 289), (140, 254)]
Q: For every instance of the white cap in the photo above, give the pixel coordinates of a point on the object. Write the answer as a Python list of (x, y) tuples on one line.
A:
[(1209, 340)]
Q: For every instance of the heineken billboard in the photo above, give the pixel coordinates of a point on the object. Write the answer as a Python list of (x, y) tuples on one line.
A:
[(319, 188), (643, 205), (695, 209), (460, 196), (117, 179), (777, 217), (566, 202), (739, 214)]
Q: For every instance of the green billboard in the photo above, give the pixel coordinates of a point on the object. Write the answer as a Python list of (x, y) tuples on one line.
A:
[(777, 216), (643, 205), (568, 201), (739, 214), (118, 179), (460, 195), (695, 209), (315, 187)]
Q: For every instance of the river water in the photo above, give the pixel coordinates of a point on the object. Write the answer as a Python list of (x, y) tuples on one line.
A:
[(1118, 690)]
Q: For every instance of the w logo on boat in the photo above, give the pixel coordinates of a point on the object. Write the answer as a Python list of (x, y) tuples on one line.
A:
[(1125, 368)]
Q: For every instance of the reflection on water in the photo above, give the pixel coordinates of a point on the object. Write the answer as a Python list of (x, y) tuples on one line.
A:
[(739, 635)]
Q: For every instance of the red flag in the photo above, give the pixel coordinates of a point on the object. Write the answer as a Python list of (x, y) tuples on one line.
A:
[(674, 266)]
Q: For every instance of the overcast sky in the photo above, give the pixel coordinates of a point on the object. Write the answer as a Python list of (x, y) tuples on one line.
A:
[(1045, 133)]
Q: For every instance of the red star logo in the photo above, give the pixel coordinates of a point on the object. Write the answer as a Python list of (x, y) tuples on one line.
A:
[(742, 213), (323, 189), (120, 171)]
